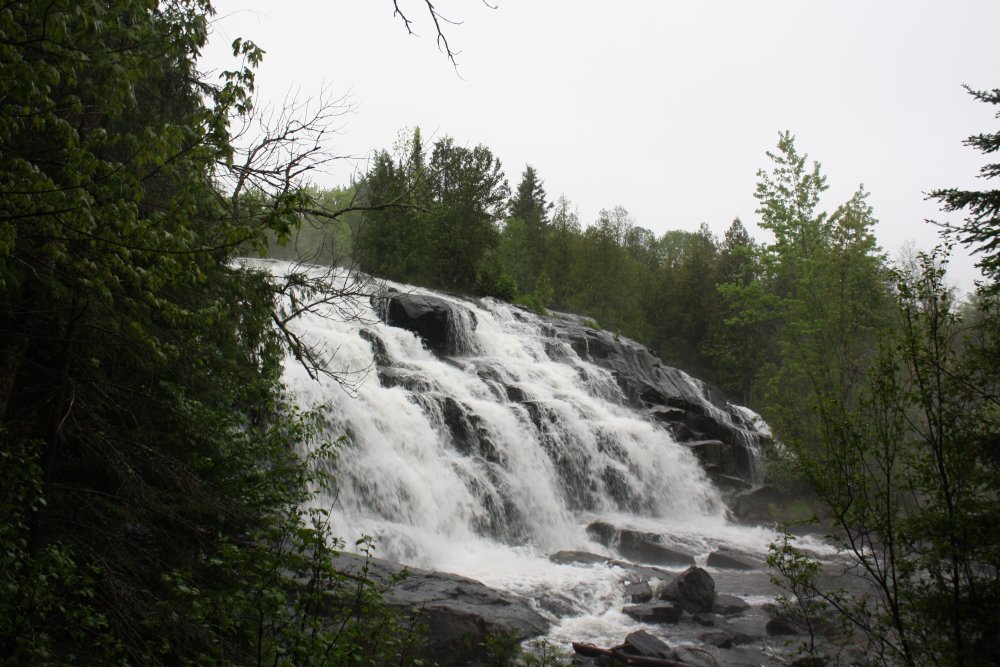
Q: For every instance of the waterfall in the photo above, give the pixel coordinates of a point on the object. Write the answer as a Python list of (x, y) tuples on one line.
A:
[(485, 460)]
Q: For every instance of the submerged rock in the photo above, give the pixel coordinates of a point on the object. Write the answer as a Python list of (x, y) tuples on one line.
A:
[(639, 592), (646, 645), (638, 546)]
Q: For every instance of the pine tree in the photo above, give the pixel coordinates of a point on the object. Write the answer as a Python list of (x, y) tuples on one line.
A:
[(981, 230)]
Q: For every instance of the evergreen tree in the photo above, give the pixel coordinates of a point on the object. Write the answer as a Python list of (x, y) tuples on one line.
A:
[(981, 229), (468, 194), (563, 237), (527, 230)]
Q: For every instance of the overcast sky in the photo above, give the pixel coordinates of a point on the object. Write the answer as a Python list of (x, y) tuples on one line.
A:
[(665, 108)]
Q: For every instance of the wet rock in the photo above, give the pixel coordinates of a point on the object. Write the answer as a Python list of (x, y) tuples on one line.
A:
[(762, 503), (781, 627), (515, 394), (459, 613), (400, 377), (634, 572), (645, 548), (718, 639), (435, 320), (729, 605), (379, 352), (689, 408), (665, 414), (728, 483), (581, 557), (468, 435), (602, 532), (654, 612), (646, 645), (693, 589), (729, 560), (709, 451), (639, 592)]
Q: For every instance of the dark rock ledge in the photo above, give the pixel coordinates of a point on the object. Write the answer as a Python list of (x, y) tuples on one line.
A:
[(459, 613)]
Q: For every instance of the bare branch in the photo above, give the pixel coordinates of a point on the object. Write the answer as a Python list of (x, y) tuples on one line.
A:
[(438, 19)]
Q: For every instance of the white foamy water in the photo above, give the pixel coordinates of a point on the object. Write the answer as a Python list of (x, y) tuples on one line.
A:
[(531, 474)]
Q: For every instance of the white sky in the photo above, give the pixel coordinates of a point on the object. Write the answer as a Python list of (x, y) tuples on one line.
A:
[(665, 108)]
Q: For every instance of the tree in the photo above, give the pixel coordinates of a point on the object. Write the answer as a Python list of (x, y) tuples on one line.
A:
[(741, 339), (526, 230), (468, 194), (981, 230), (564, 235), (683, 303), (150, 484), (822, 289), (607, 282), (908, 475), (907, 470)]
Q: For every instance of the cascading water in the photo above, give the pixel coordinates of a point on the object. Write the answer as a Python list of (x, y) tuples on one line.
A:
[(486, 461)]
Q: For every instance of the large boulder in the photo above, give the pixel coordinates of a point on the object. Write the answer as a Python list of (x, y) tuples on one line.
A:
[(693, 589), (440, 324), (460, 614), (641, 643)]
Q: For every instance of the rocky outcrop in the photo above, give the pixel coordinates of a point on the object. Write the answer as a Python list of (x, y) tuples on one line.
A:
[(691, 410), (639, 648), (439, 323), (727, 559), (460, 614), (638, 546), (654, 612)]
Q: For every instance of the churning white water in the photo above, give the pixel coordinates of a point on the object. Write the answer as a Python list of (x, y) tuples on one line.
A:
[(447, 473)]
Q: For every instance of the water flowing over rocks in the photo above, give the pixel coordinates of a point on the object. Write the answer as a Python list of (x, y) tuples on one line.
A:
[(560, 472), (695, 413)]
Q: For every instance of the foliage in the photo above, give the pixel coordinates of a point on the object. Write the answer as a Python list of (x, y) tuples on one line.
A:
[(981, 230), (504, 650), (436, 223), (909, 475), (150, 465), (814, 299), (804, 605), (526, 229)]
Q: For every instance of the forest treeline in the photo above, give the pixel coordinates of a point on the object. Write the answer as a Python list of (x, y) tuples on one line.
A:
[(445, 216)]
